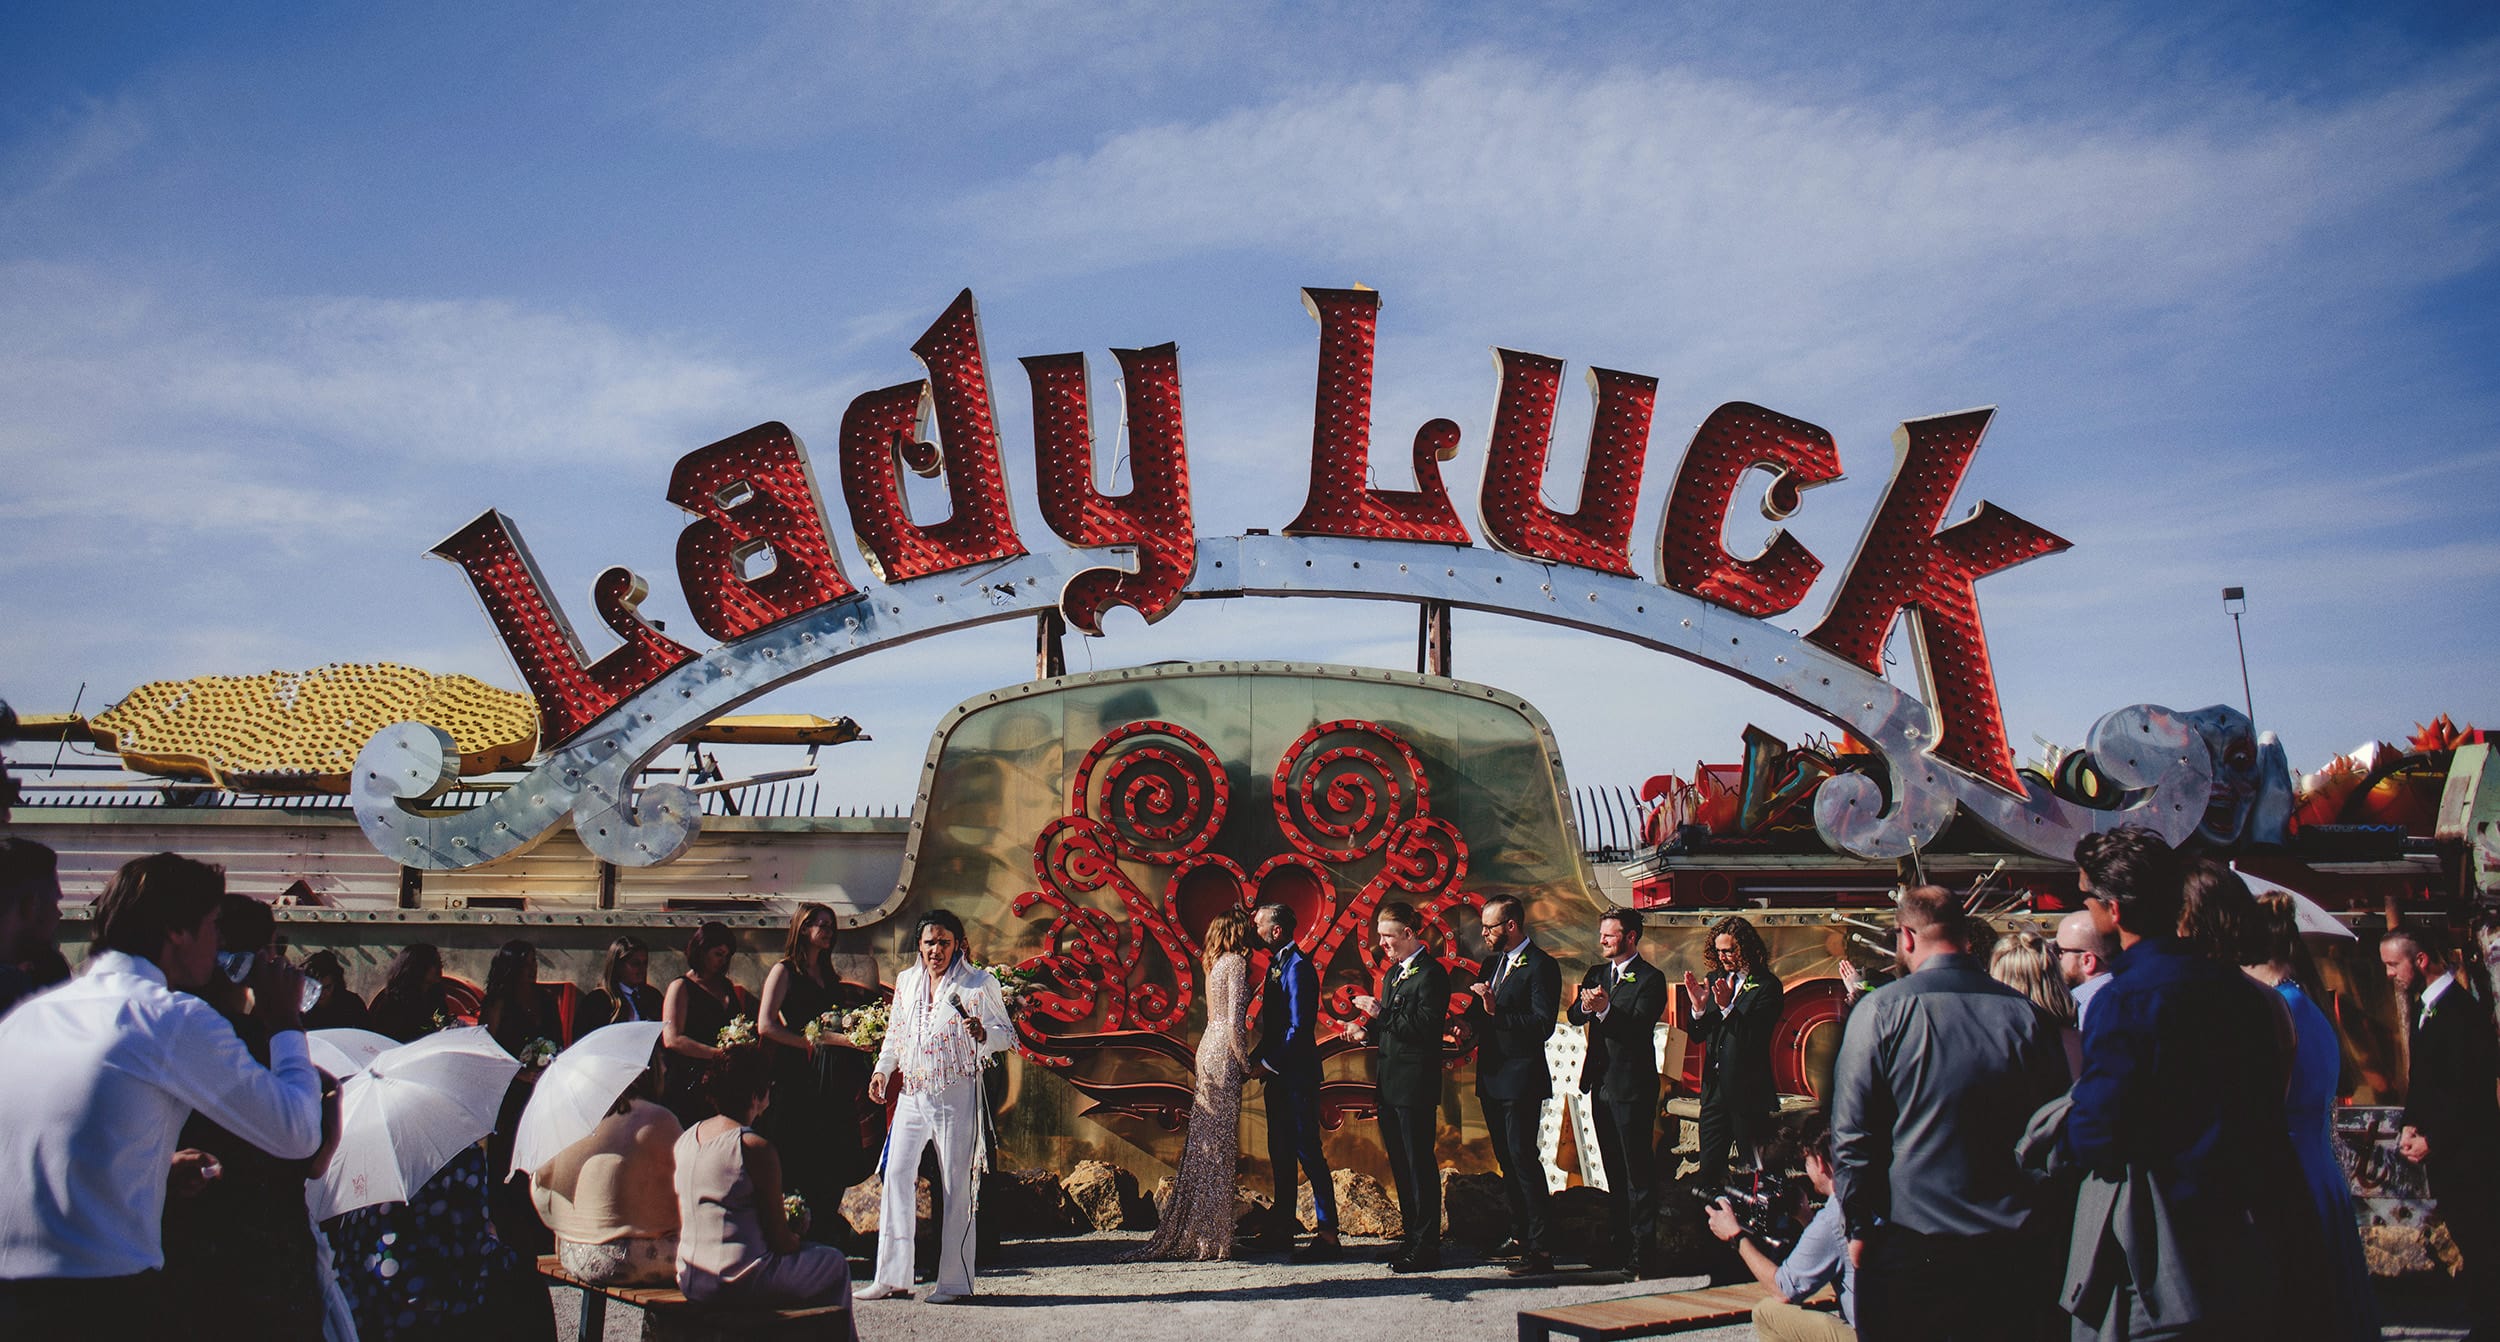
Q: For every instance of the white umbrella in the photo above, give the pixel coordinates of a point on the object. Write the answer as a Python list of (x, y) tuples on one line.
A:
[(2312, 918), (579, 1087), (411, 1110), (343, 1052)]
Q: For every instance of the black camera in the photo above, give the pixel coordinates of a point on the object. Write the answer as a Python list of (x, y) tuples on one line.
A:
[(1766, 1204)]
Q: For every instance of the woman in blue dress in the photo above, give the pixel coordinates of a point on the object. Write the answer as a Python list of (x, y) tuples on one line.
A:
[(2281, 960)]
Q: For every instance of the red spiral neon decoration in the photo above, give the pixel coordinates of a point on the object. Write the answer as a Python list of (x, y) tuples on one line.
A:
[(1350, 793), (1157, 803)]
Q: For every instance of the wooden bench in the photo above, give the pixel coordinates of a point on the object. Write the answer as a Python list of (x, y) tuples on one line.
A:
[(668, 1316), (1652, 1315)]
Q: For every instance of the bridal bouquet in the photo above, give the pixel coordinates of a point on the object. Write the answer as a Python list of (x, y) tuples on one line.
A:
[(828, 1023), (794, 1210), (736, 1032), (865, 1025), (537, 1052), (1013, 983)]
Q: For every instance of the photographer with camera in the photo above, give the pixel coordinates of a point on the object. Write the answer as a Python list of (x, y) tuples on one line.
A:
[(1820, 1257)]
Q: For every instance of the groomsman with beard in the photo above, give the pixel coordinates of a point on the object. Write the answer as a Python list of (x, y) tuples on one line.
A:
[(1518, 993), (1620, 1001), (1405, 1022)]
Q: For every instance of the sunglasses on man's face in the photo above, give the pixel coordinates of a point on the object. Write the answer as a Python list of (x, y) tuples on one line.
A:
[(2064, 951)]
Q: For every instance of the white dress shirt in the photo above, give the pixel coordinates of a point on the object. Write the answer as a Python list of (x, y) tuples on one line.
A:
[(100, 1074)]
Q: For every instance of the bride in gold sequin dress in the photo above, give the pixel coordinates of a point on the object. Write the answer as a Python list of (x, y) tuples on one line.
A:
[(1198, 1221)]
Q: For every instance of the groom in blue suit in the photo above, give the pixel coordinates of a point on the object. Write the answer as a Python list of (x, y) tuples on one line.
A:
[(1287, 1059)]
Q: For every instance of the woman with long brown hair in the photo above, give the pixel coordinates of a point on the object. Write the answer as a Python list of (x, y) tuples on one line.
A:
[(411, 998), (624, 992), (1198, 1222), (818, 1086), (699, 1003)]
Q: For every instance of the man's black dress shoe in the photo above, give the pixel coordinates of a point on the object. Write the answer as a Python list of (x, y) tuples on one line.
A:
[(1318, 1251), (1533, 1263), (1425, 1262), (1509, 1248)]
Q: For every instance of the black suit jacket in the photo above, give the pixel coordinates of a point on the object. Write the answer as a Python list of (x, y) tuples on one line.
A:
[(599, 1010), (1414, 1006), (2448, 1091), (1511, 1035), (1736, 1070), (1622, 1062)]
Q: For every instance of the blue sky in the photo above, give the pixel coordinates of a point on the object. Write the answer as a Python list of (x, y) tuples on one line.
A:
[(287, 295)]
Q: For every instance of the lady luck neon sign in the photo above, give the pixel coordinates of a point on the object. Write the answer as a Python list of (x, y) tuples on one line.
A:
[(756, 493)]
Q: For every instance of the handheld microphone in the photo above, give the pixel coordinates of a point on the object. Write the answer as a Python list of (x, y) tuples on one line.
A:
[(956, 1000)]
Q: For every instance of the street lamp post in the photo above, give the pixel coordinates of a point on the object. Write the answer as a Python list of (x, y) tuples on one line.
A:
[(2235, 601)]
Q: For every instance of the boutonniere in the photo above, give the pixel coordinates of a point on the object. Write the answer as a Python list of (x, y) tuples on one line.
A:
[(1404, 973)]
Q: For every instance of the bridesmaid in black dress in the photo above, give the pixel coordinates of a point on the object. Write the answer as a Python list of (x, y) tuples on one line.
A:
[(698, 1005), (818, 1088)]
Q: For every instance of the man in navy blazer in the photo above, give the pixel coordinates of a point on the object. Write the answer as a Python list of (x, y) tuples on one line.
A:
[(1287, 1059), (1517, 994)]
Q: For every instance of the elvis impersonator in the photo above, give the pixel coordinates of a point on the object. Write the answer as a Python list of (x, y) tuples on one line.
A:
[(948, 1019)]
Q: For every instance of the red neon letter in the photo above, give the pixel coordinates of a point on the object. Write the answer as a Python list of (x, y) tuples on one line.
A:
[(882, 428), (1736, 438), (1512, 504), (570, 695), (1341, 503), (1906, 564), (1153, 516), (754, 492)]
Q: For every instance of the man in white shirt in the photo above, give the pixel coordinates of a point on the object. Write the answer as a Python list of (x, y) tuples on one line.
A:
[(101, 1072)]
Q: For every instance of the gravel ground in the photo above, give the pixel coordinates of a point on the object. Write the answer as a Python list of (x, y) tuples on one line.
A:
[(1072, 1291)]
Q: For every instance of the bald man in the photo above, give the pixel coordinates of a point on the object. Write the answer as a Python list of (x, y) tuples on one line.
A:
[(2084, 950)]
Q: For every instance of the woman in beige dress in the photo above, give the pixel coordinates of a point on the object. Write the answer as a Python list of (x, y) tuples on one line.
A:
[(611, 1198), (734, 1244), (1198, 1221)]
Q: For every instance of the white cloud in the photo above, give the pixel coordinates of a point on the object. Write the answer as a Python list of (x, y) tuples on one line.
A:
[(1742, 215), (287, 417), (83, 141)]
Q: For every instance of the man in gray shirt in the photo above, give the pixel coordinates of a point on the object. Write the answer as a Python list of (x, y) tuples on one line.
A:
[(1938, 1073)]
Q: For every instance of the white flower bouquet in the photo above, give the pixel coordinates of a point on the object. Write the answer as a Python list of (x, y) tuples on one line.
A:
[(736, 1032), (866, 1025)]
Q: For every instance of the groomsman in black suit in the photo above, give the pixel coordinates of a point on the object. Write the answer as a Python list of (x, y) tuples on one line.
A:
[(1518, 993), (2451, 1118), (1736, 1013), (1620, 1001), (1405, 1023)]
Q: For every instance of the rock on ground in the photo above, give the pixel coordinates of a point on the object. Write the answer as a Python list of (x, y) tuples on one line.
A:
[(863, 1205), (1108, 1196), (1028, 1204), (1364, 1207)]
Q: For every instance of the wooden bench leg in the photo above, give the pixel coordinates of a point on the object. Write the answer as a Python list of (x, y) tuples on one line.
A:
[(1531, 1329), (594, 1325)]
